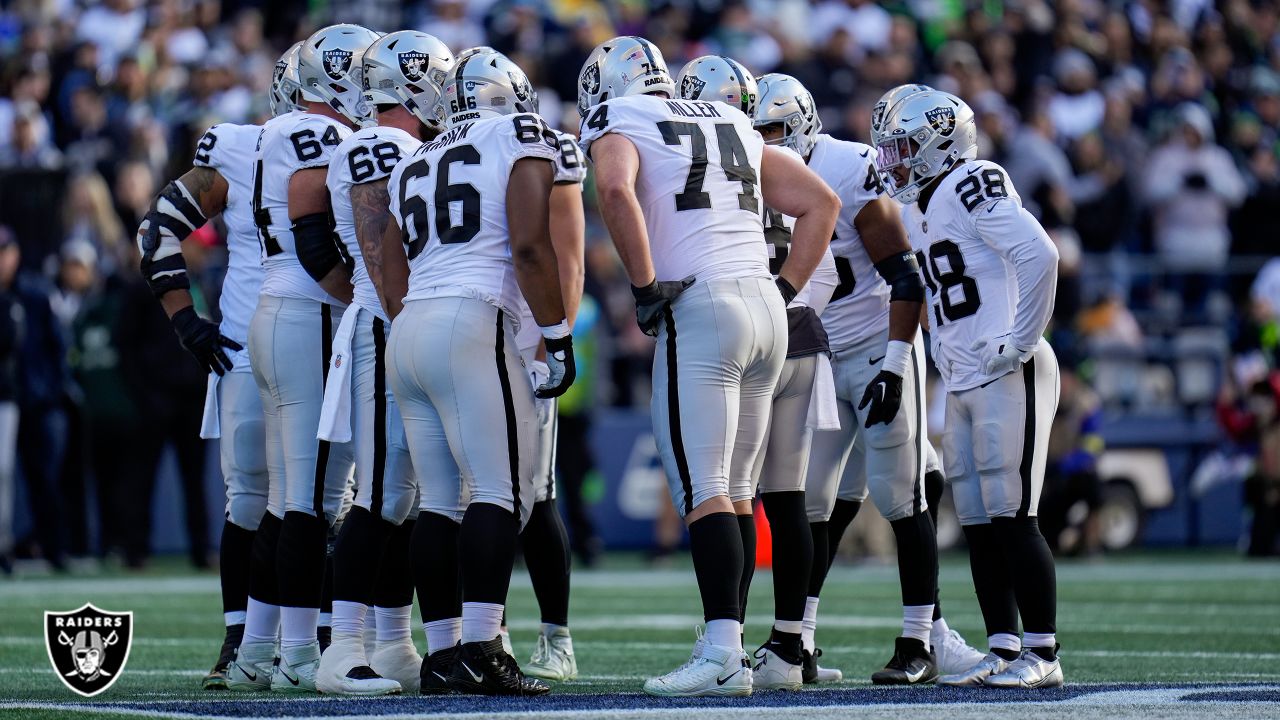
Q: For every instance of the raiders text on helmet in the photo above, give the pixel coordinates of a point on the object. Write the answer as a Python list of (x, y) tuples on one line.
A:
[(408, 68), (715, 77), (783, 100), (626, 65), (331, 68), (927, 134)]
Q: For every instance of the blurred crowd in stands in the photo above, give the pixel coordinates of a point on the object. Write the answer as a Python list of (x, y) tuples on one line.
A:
[(1143, 133)]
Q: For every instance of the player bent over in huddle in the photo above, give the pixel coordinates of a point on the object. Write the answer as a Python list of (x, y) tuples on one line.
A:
[(221, 181), (403, 74), (680, 186), (991, 273), (473, 206)]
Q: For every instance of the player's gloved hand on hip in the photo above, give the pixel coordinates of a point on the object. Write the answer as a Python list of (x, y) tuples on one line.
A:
[(202, 339), (561, 370), (654, 298), (884, 393), (998, 355), (538, 374)]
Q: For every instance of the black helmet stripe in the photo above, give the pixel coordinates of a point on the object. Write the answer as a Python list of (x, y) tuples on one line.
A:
[(457, 81), (644, 45)]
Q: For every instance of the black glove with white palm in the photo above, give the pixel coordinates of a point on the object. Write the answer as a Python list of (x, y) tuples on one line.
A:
[(884, 392), (202, 339), (653, 299), (561, 370)]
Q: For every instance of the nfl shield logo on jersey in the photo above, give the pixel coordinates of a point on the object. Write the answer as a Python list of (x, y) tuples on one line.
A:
[(691, 86), (88, 647), (337, 62), (412, 64), (942, 119)]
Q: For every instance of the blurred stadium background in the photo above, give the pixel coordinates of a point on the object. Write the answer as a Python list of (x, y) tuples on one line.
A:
[(1144, 135)]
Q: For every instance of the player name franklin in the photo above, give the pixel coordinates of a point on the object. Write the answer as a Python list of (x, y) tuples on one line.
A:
[(694, 109), (87, 622)]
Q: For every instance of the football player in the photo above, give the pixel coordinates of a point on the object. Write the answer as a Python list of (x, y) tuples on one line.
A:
[(307, 285), (403, 76), (221, 182), (472, 210), (680, 185), (872, 324), (991, 273)]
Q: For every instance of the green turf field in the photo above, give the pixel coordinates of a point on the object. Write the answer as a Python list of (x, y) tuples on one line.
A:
[(1164, 618)]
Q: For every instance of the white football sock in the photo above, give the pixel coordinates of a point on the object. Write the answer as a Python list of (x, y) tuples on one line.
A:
[(1039, 640), (548, 629), (298, 626), (324, 619), (940, 626), (348, 618), (810, 623), (261, 622), (236, 617), (916, 622), (442, 634), (795, 627), (725, 633), (393, 623), (1005, 641), (481, 621)]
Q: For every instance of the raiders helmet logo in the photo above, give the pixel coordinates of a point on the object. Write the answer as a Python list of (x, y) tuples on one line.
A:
[(337, 62), (691, 86), (413, 64), (521, 87), (590, 80), (805, 103), (942, 119), (877, 115), (278, 74), (88, 647)]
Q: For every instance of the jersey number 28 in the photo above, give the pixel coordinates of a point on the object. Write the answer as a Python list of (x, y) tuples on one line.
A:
[(943, 272)]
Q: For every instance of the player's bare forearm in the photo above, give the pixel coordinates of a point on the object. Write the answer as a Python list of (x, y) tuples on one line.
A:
[(793, 189), (338, 283), (175, 300), (528, 212), (617, 164), (568, 231), (371, 210), (883, 236), (208, 187), (904, 320), (395, 271)]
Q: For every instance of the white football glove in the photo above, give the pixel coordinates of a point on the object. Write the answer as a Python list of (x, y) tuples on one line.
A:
[(998, 356)]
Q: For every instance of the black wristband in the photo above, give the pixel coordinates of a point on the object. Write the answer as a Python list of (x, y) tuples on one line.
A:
[(787, 289), (558, 344)]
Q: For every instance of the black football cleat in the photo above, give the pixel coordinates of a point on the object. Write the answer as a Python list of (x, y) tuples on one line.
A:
[(813, 673), (911, 664), (433, 678), (484, 668), (324, 636), (217, 677)]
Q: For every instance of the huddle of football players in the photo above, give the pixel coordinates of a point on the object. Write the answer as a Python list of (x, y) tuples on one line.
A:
[(406, 257)]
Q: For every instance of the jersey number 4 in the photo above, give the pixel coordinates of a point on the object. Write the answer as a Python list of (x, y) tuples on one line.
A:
[(943, 272), (413, 209), (733, 158)]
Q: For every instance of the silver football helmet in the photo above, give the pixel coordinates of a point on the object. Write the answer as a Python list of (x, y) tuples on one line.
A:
[(625, 65), (486, 84), (331, 67), (285, 82), (886, 102), (408, 68), (923, 137), (783, 99), (716, 77)]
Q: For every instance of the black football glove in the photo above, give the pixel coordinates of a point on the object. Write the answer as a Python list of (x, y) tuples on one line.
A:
[(202, 339), (561, 370), (654, 298), (788, 290), (884, 395)]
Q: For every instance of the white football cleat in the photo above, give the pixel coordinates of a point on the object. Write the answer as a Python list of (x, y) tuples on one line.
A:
[(711, 670), (1029, 671), (991, 664), (343, 670), (771, 672), (295, 670), (398, 661), (553, 657), (951, 653), (252, 668), (814, 673)]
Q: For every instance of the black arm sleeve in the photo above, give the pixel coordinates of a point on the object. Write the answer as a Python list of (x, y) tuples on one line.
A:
[(317, 245), (902, 273)]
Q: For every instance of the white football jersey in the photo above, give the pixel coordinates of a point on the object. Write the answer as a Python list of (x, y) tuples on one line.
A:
[(816, 293), (571, 169), (966, 243), (860, 304), (698, 183), (450, 197), (289, 143), (230, 150), (367, 155)]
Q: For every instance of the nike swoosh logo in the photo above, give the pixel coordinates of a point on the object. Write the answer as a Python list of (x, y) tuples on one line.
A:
[(292, 680), (866, 153), (721, 681), (253, 677), (974, 170), (915, 676), (472, 673), (873, 361), (993, 205), (442, 678)]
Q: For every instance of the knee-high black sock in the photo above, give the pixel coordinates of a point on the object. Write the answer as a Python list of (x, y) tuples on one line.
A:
[(792, 552), (264, 586), (991, 579), (394, 587), (1035, 583), (300, 559), (356, 555), (715, 541), (917, 558), (819, 564), (546, 553), (487, 539), (234, 559), (842, 516), (934, 483), (747, 528), (433, 552)]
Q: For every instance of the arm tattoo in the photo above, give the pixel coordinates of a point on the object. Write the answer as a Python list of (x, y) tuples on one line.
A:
[(371, 208), (208, 188)]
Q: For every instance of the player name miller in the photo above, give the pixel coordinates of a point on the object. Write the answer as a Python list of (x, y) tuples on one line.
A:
[(87, 622), (693, 109)]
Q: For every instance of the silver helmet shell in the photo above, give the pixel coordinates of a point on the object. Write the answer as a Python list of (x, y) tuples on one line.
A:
[(286, 85), (625, 65), (783, 99), (927, 134), (408, 68), (486, 84), (718, 78), (331, 67), (886, 102)]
